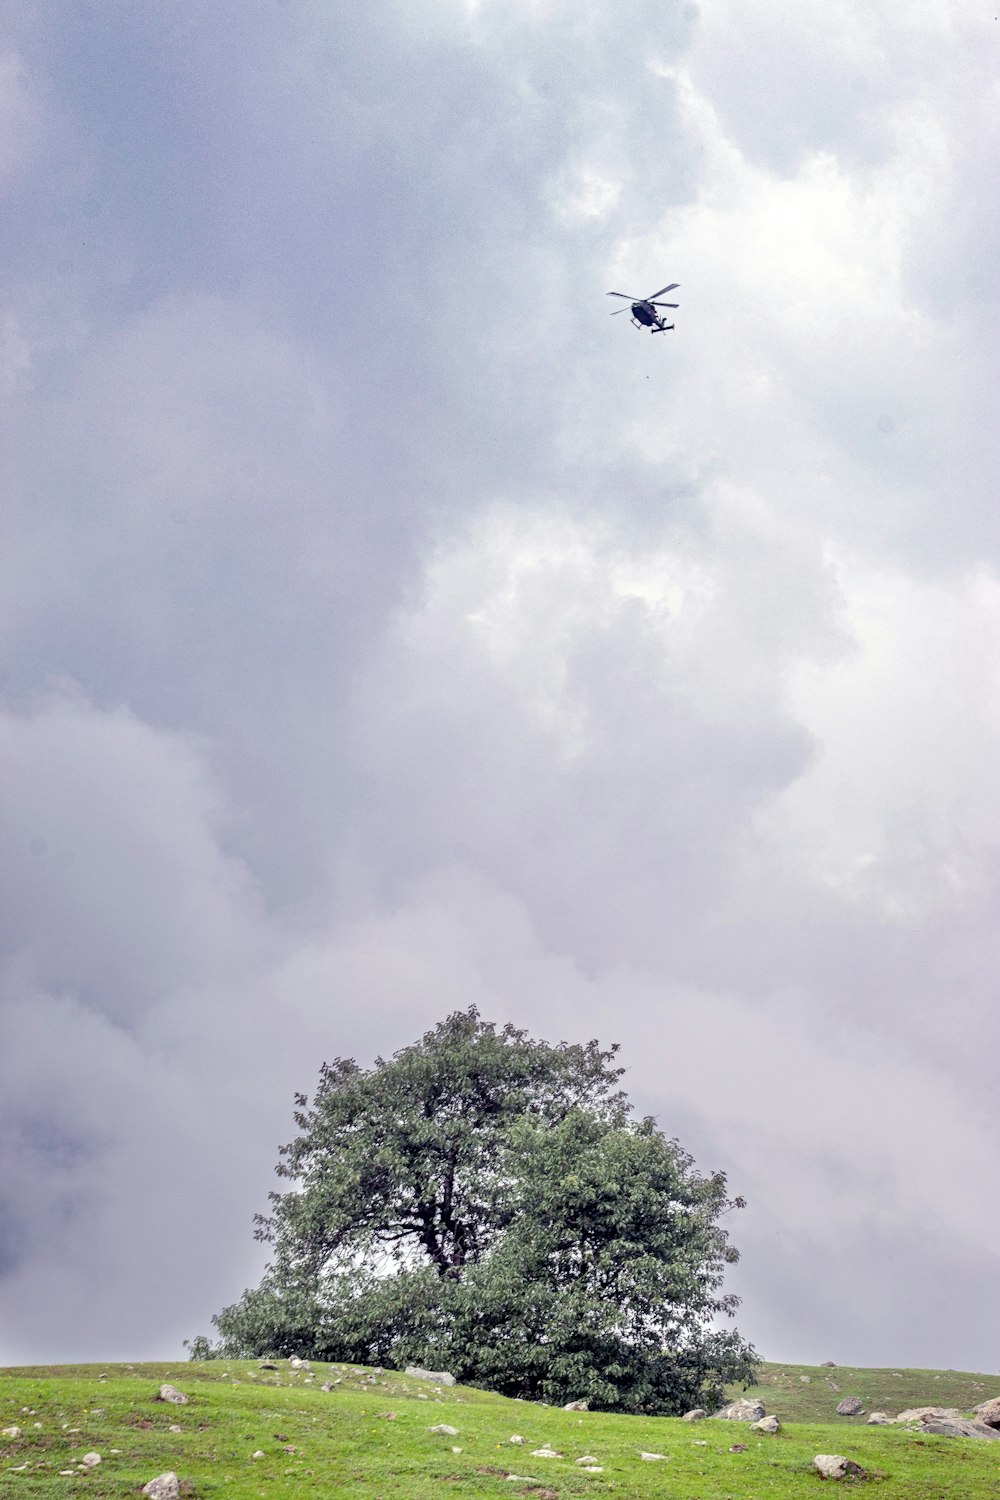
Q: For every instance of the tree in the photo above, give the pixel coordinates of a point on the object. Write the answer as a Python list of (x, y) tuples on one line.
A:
[(488, 1203)]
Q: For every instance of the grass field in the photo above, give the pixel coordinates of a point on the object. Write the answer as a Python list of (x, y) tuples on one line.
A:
[(370, 1438)]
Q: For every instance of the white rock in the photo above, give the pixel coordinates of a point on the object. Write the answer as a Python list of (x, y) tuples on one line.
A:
[(174, 1428), (258, 1454), (438, 1377), (766, 1424), (880, 1419), (653, 1458), (171, 1393), (836, 1466), (444, 1430), (546, 1453), (592, 1469), (90, 1460), (13, 1432), (516, 1437), (163, 1487), (588, 1458), (577, 1406)]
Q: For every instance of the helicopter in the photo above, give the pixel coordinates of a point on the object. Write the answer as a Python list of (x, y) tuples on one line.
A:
[(643, 309)]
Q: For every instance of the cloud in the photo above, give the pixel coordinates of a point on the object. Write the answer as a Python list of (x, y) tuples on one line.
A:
[(384, 630)]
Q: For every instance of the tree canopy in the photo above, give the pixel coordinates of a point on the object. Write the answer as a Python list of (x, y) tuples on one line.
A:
[(488, 1203)]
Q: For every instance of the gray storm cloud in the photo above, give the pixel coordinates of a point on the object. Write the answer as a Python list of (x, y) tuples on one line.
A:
[(384, 631)]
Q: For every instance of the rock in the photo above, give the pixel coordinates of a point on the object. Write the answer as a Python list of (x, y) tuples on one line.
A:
[(851, 1406), (327, 1385), (928, 1413), (258, 1454), (588, 1458), (174, 1428), (766, 1424), (959, 1427), (653, 1458), (738, 1448), (546, 1453), (832, 1384), (697, 1415), (90, 1460), (835, 1466), (171, 1393), (14, 1432), (743, 1410), (828, 1364), (439, 1377), (880, 1419), (517, 1439), (989, 1412), (593, 1469), (163, 1487), (806, 1379), (444, 1430), (577, 1406)]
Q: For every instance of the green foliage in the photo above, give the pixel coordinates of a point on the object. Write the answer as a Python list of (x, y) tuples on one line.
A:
[(487, 1203)]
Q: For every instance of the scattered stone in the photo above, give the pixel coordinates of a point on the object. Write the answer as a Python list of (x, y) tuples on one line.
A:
[(698, 1414), (700, 1443), (766, 1424), (880, 1419), (174, 1428), (835, 1466), (851, 1406), (456, 1450), (960, 1427), (577, 1406), (171, 1393), (546, 1453), (11, 1432), (828, 1364), (516, 1437), (743, 1410), (259, 1453), (90, 1460), (439, 1377), (444, 1430), (989, 1412), (653, 1458), (67, 1473), (592, 1469), (588, 1458), (806, 1379), (163, 1487), (738, 1448)]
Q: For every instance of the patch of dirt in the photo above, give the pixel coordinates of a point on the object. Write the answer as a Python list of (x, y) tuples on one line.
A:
[(539, 1493), (490, 1469)]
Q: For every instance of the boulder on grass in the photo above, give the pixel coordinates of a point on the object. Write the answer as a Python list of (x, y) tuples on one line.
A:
[(743, 1410), (960, 1427), (172, 1394), (437, 1377), (836, 1466), (851, 1406), (163, 1487), (697, 1415), (766, 1424), (989, 1412)]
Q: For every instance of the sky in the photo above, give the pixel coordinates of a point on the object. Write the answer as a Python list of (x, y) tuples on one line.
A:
[(384, 630)]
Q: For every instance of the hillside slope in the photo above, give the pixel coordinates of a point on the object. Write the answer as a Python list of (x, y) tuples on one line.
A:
[(252, 1434)]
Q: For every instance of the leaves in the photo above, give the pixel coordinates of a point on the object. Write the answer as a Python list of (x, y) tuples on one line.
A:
[(487, 1203)]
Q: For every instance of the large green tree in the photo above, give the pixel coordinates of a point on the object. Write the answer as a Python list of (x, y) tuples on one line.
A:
[(488, 1203)]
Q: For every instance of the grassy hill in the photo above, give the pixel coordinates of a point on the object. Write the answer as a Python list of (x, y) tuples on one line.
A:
[(369, 1438)]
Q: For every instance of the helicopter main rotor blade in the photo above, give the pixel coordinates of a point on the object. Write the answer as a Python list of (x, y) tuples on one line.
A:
[(665, 304), (630, 299), (672, 287), (620, 310)]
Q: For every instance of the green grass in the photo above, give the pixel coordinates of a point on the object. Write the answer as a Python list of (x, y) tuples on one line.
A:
[(346, 1443)]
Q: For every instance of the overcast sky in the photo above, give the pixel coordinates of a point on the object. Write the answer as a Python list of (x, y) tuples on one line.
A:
[(384, 629)]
